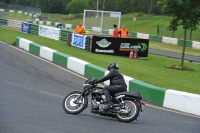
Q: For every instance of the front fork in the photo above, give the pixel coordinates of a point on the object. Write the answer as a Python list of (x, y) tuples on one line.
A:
[(82, 95)]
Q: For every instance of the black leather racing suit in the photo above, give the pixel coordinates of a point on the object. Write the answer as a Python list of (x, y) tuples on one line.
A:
[(117, 83)]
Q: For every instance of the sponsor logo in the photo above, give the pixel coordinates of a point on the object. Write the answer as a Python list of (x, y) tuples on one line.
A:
[(127, 47), (103, 43), (49, 32), (25, 27), (124, 47), (104, 51), (144, 47), (78, 40)]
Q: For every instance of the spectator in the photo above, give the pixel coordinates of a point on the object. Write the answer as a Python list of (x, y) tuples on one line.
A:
[(68, 28), (79, 29), (59, 26), (124, 32), (115, 32)]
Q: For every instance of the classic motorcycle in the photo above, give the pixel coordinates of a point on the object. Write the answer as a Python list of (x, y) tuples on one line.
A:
[(126, 105)]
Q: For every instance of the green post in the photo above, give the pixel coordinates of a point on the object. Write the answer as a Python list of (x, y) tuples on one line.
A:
[(191, 34), (158, 29)]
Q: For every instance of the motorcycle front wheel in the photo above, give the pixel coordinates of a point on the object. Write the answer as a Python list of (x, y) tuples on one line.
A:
[(129, 112), (73, 106)]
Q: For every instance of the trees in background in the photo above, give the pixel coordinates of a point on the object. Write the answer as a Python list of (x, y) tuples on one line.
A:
[(185, 13), (77, 6)]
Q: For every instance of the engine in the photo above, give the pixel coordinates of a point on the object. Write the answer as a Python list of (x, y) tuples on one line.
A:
[(97, 107), (98, 97)]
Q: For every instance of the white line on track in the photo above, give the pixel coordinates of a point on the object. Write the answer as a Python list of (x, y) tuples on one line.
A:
[(161, 108)]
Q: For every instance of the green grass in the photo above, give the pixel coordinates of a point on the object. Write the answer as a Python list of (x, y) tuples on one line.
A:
[(148, 24), (143, 23), (152, 71), (16, 16)]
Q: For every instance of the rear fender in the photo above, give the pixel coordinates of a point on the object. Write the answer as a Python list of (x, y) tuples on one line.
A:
[(134, 99)]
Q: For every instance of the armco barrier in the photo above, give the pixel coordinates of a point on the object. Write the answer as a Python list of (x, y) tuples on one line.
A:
[(133, 34), (3, 22), (90, 69), (182, 101), (151, 93), (47, 53), (174, 41), (195, 45), (151, 37), (60, 58), (181, 42), (35, 48)]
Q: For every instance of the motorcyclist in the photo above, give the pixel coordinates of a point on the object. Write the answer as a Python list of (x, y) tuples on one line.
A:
[(117, 83)]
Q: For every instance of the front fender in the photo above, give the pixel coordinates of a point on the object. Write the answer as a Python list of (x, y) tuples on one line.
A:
[(86, 99)]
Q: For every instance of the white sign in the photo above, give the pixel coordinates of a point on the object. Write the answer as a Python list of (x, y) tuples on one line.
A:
[(115, 15), (49, 32)]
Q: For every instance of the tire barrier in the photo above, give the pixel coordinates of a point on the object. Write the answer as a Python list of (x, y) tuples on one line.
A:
[(14, 24), (64, 35), (3, 22), (34, 29)]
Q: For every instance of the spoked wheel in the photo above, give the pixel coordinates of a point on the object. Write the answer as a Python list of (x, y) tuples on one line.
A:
[(72, 105), (129, 112)]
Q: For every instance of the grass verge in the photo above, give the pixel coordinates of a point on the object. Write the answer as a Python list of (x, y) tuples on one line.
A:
[(152, 71)]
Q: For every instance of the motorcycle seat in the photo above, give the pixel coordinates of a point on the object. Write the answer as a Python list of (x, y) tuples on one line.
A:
[(135, 94)]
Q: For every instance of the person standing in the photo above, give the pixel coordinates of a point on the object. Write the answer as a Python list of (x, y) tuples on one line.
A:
[(59, 26), (79, 29), (115, 32), (123, 32)]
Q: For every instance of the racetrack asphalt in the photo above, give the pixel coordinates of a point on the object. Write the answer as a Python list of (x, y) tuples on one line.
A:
[(31, 94), (175, 55)]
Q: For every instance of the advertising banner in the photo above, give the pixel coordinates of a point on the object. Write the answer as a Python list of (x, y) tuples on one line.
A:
[(25, 27), (78, 41), (49, 32), (120, 46)]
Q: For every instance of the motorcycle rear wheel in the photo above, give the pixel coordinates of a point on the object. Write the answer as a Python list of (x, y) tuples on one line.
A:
[(71, 107), (134, 110)]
